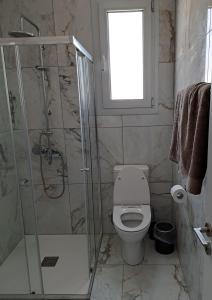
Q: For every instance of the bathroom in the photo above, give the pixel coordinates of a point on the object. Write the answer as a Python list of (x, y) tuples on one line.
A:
[(87, 99)]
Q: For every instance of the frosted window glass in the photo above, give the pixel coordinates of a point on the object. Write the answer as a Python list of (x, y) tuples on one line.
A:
[(126, 54), (208, 67)]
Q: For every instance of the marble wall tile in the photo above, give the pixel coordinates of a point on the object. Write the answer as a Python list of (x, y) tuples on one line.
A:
[(11, 230), (32, 80), (162, 207), (52, 172), (73, 18), (190, 68), (78, 209), (167, 4), (109, 121), (166, 85), (28, 209), (38, 11), (30, 56), (41, 13), (49, 210), (21, 150), (69, 97), (14, 99), (190, 253), (11, 226), (153, 282), (97, 210), (4, 124), (7, 162), (110, 151), (74, 155), (164, 117), (108, 283), (166, 35), (158, 188), (107, 207), (149, 145)]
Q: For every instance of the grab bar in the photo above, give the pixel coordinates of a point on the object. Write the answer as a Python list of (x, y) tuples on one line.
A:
[(204, 241)]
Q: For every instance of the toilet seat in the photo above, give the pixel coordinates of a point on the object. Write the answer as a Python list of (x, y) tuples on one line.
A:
[(131, 188), (119, 211)]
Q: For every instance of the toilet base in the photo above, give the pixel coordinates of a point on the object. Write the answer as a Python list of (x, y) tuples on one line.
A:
[(133, 253)]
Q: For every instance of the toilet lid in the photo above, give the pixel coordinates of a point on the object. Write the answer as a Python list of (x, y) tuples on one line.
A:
[(131, 187)]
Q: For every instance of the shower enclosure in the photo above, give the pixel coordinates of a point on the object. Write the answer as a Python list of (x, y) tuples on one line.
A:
[(50, 207)]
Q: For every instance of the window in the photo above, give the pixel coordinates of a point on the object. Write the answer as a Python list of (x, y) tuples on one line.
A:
[(126, 65), (127, 53), (208, 66)]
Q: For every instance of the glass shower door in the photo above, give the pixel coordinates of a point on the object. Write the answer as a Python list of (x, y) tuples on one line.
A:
[(86, 155), (90, 154), (13, 272), (20, 267)]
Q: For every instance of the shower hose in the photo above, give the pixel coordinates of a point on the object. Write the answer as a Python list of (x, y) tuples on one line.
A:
[(45, 186)]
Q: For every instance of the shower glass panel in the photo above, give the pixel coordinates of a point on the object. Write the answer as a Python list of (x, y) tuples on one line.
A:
[(51, 108), (86, 147), (90, 154), (14, 269), (94, 154)]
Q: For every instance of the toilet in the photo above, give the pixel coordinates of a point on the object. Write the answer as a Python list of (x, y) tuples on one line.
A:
[(131, 209)]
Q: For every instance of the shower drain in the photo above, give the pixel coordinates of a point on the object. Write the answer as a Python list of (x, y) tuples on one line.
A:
[(49, 261)]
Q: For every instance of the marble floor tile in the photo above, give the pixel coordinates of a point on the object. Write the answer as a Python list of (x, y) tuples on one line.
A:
[(108, 283), (110, 251), (153, 282), (153, 257), (159, 277)]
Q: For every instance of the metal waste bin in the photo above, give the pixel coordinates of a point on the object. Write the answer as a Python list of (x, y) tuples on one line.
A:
[(165, 237)]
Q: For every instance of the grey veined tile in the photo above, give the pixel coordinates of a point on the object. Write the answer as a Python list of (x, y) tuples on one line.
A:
[(151, 256), (149, 145), (153, 282), (69, 96), (110, 251), (108, 283), (111, 151)]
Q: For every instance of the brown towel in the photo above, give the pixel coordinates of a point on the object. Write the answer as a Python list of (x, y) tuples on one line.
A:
[(189, 144)]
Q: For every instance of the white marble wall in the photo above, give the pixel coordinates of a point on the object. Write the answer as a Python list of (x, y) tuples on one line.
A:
[(144, 139), (190, 68)]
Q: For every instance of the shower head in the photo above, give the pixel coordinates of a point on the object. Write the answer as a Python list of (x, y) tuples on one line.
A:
[(20, 34)]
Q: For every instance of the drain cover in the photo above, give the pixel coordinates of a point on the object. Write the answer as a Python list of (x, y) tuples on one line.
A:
[(49, 261)]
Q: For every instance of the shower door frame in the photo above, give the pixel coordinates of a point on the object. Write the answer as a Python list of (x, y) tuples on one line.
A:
[(54, 40)]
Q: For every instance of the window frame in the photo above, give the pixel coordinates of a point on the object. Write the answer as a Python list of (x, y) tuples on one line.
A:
[(208, 60), (148, 60)]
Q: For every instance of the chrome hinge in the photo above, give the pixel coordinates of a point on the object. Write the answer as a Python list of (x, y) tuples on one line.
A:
[(152, 5), (85, 170)]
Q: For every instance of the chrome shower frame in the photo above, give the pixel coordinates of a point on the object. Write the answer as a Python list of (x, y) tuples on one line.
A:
[(39, 41)]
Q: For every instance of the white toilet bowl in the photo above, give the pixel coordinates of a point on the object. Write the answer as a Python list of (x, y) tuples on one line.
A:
[(131, 211)]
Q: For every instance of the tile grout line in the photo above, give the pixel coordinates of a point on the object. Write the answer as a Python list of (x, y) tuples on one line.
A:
[(122, 285)]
